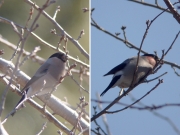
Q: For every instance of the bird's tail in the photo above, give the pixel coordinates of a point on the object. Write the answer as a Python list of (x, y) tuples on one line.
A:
[(109, 86), (20, 103), (104, 91), (112, 83)]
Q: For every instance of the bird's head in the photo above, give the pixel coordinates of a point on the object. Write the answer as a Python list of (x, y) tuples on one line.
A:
[(153, 59), (60, 56)]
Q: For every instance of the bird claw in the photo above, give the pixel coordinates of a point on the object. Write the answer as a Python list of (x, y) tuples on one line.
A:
[(122, 92)]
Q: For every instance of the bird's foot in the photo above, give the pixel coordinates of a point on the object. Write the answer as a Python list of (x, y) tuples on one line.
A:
[(122, 92)]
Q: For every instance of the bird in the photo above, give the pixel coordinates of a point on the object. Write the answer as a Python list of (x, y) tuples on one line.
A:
[(45, 79), (124, 72)]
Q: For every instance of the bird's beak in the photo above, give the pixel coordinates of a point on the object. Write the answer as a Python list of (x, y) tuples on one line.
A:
[(67, 57), (64, 58)]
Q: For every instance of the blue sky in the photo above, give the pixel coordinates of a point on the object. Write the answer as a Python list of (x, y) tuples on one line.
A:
[(107, 52)]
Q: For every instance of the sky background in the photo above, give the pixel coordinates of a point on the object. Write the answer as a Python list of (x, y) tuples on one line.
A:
[(107, 52)]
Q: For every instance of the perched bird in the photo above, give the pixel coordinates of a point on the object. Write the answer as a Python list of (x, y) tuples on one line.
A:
[(45, 79), (124, 72)]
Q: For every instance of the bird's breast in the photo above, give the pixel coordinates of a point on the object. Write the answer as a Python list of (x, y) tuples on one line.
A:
[(125, 81), (43, 85)]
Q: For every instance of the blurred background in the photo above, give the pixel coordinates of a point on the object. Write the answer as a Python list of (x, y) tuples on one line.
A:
[(73, 20), (108, 52)]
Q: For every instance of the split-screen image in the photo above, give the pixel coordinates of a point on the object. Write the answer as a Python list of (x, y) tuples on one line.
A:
[(89, 67)]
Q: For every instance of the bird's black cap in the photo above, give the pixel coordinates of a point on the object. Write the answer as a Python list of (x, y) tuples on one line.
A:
[(60, 56), (152, 55)]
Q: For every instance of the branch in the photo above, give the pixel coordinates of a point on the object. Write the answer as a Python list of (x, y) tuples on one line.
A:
[(153, 107), (175, 71), (42, 41), (173, 11), (160, 81), (168, 120), (55, 104), (104, 116), (131, 46), (116, 100), (35, 58), (172, 43), (155, 78), (75, 42), (47, 114), (150, 5)]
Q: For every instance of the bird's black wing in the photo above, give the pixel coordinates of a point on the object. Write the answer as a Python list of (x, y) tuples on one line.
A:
[(118, 67), (114, 80)]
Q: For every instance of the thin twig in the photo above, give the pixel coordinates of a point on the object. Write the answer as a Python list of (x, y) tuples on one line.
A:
[(172, 43), (75, 42), (22, 41), (153, 107), (81, 34), (160, 81), (150, 5), (47, 114), (32, 54), (35, 58), (147, 81), (42, 129), (169, 121), (175, 71), (99, 128), (55, 14), (103, 116), (43, 42), (173, 11), (130, 45)]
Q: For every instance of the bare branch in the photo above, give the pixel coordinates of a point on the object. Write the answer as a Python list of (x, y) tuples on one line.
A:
[(75, 42), (175, 71), (81, 34), (55, 14), (34, 58), (145, 107), (132, 46), (147, 81), (173, 11), (160, 81), (43, 127), (43, 42), (172, 43), (150, 5), (103, 116), (47, 114), (55, 104)]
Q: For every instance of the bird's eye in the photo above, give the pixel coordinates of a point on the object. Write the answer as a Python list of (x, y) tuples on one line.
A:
[(64, 58)]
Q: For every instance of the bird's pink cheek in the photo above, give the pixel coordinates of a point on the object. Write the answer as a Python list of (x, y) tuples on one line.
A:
[(151, 61)]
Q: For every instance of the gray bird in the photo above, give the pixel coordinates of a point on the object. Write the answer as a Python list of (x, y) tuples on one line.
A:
[(45, 79), (124, 72)]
